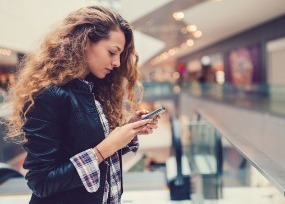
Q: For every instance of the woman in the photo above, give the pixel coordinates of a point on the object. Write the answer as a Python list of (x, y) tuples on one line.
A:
[(70, 101)]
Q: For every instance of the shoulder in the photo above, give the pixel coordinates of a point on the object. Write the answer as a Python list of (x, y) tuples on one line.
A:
[(53, 92), (59, 94), (52, 101), (58, 91), (52, 97)]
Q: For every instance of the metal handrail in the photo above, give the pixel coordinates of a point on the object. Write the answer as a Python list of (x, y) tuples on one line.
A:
[(7, 172), (177, 149)]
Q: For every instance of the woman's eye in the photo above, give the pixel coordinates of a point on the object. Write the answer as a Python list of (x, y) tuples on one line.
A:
[(111, 53)]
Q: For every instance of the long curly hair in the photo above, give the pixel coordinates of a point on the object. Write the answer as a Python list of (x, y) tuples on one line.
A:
[(61, 58)]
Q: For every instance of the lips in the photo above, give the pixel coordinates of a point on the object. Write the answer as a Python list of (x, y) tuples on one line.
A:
[(109, 70)]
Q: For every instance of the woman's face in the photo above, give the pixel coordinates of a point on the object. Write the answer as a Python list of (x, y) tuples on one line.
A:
[(104, 56)]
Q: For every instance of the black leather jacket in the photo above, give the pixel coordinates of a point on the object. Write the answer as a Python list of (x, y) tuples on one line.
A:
[(63, 122)]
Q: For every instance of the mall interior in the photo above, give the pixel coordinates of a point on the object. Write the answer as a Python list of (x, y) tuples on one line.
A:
[(215, 65)]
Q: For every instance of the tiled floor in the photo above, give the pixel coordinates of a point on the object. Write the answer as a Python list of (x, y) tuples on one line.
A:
[(265, 195), (231, 196), (15, 199)]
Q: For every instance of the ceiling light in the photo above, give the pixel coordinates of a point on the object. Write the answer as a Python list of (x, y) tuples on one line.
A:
[(191, 28), (178, 15), (172, 52), (5, 52), (197, 34), (190, 42), (205, 60), (164, 56)]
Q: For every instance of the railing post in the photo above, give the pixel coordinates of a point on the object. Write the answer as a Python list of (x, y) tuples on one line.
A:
[(177, 167)]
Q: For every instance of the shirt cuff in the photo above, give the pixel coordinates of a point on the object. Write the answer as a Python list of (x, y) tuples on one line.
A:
[(133, 146), (87, 166)]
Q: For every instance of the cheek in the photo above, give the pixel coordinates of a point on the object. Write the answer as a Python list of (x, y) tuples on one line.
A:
[(97, 59), (92, 59), (92, 64)]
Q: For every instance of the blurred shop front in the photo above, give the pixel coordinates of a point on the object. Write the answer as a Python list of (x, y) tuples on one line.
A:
[(245, 60), (9, 63)]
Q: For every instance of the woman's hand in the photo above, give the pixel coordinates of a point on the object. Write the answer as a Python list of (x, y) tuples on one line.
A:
[(149, 127), (121, 136), (138, 115)]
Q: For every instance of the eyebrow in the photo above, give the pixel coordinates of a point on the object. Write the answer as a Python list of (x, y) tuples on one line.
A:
[(119, 49)]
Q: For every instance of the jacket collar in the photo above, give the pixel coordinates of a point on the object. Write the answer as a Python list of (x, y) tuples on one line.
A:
[(89, 83), (80, 85)]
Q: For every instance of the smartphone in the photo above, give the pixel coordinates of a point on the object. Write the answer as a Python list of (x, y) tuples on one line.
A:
[(154, 113)]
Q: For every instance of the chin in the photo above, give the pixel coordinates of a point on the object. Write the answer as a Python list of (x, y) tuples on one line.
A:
[(99, 76), (102, 76)]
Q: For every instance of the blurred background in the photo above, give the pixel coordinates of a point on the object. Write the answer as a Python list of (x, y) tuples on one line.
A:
[(217, 66)]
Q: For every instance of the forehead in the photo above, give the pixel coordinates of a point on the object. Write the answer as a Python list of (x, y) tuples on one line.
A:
[(117, 39)]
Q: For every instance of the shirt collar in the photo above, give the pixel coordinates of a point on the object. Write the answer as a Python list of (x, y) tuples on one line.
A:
[(90, 84)]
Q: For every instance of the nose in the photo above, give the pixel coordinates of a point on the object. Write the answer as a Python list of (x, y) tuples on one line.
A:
[(116, 62)]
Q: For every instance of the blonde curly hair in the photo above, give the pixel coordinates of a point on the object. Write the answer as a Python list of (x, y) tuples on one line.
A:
[(61, 58)]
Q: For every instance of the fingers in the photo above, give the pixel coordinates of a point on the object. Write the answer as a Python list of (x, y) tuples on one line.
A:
[(152, 126), (141, 112), (147, 129), (144, 126), (154, 121), (139, 123), (144, 131)]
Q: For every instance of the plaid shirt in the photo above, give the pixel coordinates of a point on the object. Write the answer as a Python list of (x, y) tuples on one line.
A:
[(87, 166)]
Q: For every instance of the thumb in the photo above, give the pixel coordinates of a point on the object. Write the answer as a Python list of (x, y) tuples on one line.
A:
[(141, 112)]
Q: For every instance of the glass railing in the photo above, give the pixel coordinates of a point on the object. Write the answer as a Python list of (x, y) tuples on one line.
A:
[(199, 156), (158, 88), (3, 95), (8, 149), (205, 154), (4, 109), (218, 167), (261, 97)]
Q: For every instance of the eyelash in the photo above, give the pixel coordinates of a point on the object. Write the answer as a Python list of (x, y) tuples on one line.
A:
[(111, 53)]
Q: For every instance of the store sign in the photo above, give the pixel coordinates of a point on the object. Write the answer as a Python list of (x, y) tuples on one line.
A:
[(8, 57), (5, 52)]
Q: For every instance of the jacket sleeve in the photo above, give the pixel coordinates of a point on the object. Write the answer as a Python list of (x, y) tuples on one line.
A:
[(43, 131)]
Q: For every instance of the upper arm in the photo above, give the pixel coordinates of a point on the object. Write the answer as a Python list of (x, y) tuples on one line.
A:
[(43, 131)]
